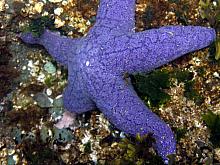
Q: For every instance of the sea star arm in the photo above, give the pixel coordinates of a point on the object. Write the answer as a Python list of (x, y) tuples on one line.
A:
[(76, 102), (121, 105), (118, 15), (75, 99), (59, 47), (147, 50)]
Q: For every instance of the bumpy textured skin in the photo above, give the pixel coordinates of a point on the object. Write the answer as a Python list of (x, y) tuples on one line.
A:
[(97, 62)]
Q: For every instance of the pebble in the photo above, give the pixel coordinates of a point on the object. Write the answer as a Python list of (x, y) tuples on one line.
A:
[(58, 11), (58, 22), (30, 63), (2, 5), (214, 3), (49, 68), (56, 112), (38, 7), (58, 102), (24, 68), (122, 135), (45, 13), (43, 100), (64, 3), (16, 158), (49, 92), (216, 75)]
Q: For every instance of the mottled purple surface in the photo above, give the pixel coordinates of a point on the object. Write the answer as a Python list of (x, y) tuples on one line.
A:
[(97, 62)]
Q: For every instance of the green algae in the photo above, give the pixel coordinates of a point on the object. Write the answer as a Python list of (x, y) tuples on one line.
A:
[(152, 86), (191, 93), (201, 71), (182, 75), (50, 80), (213, 123), (38, 25), (180, 133), (137, 151), (88, 148)]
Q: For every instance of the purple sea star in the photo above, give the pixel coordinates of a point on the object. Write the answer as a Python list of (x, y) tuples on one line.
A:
[(97, 62)]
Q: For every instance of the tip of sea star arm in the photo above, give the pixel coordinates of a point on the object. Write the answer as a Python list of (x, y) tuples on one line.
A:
[(167, 145), (29, 38), (118, 15), (212, 34), (189, 38), (59, 47), (121, 105)]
